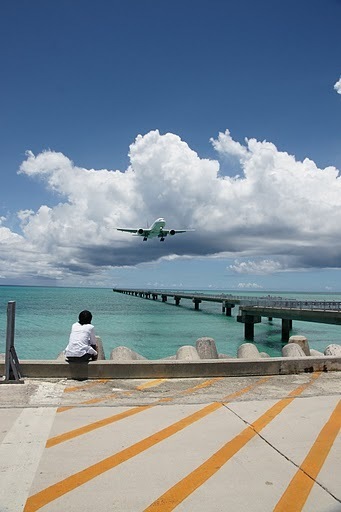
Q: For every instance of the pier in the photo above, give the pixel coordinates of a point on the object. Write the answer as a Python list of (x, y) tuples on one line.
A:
[(252, 309)]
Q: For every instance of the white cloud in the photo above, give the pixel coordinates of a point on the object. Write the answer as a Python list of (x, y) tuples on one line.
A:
[(256, 267), (337, 86), (225, 144), (249, 286), (277, 206)]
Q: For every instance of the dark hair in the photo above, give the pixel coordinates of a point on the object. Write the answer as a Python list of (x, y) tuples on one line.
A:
[(84, 317)]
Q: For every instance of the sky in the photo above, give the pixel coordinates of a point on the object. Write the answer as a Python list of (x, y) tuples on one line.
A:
[(223, 117)]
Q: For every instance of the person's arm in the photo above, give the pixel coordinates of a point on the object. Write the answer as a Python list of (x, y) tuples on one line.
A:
[(92, 336), (93, 344), (92, 351)]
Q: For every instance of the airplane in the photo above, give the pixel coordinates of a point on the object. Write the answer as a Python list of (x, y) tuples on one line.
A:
[(156, 229)]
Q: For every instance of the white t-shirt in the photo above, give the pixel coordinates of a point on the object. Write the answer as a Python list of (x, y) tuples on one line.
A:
[(80, 341)]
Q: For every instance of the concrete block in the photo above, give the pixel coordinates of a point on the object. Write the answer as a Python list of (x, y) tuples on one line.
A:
[(302, 342), (100, 349), (125, 354), (316, 353), (333, 350), (206, 348), (264, 354), (187, 353), (225, 356), (248, 351), (292, 350)]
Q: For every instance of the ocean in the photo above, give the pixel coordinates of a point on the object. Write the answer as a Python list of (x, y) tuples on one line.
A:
[(154, 329)]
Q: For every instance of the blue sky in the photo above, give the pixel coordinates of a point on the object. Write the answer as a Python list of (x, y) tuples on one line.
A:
[(220, 116)]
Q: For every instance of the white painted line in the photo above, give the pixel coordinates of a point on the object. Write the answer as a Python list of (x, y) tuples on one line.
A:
[(20, 453)]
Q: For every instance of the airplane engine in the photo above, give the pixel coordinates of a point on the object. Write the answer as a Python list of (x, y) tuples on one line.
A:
[(140, 231), (172, 232)]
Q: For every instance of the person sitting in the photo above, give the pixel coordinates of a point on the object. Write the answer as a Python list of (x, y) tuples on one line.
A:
[(82, 344)]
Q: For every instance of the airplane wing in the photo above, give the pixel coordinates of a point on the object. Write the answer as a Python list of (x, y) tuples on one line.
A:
[(173, 231), (136, 232), (127, 230)]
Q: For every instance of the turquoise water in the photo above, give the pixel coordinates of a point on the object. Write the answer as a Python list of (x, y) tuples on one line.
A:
[(151, 328)]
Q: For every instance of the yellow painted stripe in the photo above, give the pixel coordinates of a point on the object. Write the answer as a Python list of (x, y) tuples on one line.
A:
[(114, 395), (92, 401), (180, 491), (58, 489), (300, 486), (116, 417), (53, 441), (85, 386), (149, 384), (202, 385)]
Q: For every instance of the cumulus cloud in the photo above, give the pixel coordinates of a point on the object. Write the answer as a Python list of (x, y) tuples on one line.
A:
[(337, 86), (276, 205), (249, 286), (256, 267)]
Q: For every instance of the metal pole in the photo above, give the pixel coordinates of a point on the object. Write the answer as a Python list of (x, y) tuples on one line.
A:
[(9, 336), (12, 366)]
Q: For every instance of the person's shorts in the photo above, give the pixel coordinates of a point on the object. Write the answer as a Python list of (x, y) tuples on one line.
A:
[(82, 359)]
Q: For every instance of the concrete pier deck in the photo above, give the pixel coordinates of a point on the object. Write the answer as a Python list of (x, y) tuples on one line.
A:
[(251, 443), (252, 309)]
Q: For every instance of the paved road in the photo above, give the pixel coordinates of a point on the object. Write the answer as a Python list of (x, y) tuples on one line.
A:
[(201, 445)]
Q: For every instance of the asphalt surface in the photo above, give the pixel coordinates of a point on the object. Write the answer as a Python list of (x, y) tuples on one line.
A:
[(221, 444)]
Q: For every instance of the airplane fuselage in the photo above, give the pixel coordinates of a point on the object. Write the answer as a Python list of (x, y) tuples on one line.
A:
[(157, 229)]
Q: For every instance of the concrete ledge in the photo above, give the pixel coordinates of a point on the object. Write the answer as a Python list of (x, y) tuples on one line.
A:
[(176, 369)]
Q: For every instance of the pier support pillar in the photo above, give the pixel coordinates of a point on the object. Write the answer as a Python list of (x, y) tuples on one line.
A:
[(227, 308), (196, 303), (249, 331), (286, 327), (249, 321), (177, 300), (164, 298)]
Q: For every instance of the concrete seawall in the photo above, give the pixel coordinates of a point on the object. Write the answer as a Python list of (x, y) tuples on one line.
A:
[(176, 369)]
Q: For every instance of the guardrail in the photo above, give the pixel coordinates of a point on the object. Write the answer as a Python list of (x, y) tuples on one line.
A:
[(294, 304)]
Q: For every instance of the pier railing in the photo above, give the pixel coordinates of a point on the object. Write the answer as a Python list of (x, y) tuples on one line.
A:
[(294, 304), (242, 300)]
